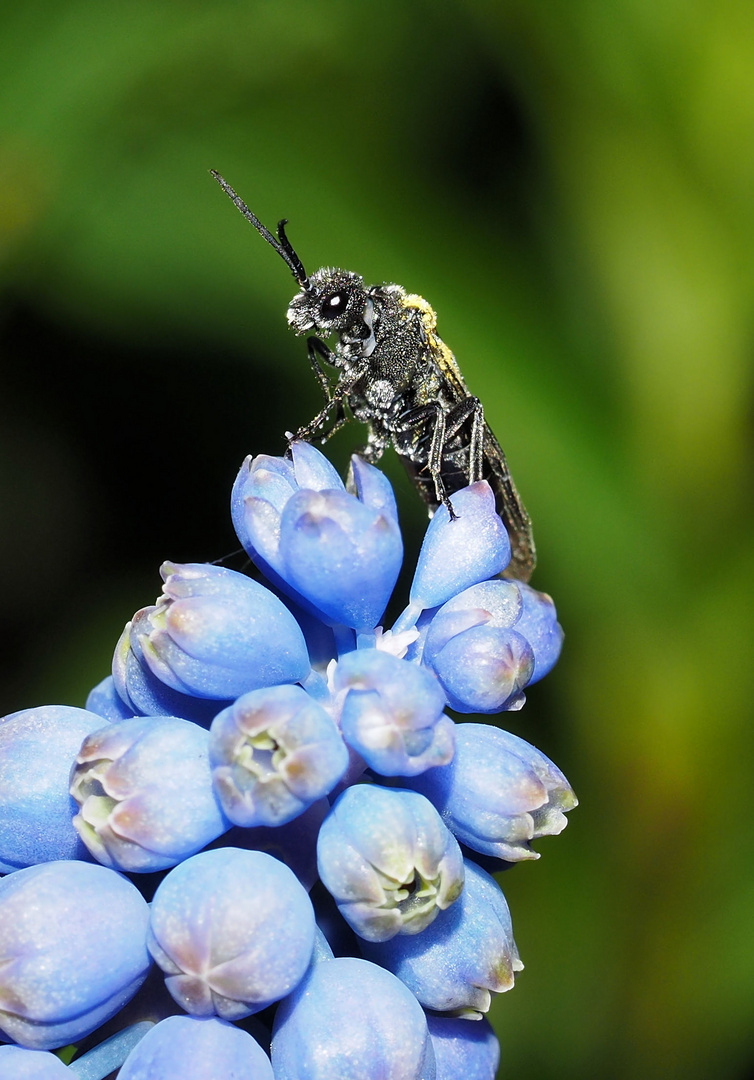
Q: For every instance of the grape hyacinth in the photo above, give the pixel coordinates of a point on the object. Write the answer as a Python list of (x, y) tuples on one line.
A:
[(287, 765)]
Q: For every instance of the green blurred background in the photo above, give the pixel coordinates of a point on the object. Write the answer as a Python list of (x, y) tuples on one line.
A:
[(571, 185)]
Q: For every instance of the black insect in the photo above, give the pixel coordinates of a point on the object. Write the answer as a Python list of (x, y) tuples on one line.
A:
[(399, 378)]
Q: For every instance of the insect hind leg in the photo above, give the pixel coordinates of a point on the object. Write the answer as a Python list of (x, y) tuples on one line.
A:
[(413, 419), (470, 408)]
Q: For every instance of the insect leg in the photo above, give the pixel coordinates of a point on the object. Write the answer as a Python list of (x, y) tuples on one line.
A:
[(415, 417), (336, 398), (456, 418), (318, 350)]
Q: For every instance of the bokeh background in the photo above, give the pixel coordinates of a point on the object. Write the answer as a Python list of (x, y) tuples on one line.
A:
[(571, 185)]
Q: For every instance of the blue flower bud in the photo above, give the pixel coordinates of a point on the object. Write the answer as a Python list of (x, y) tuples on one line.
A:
[(135, 685), (273, 753), (498, 793), (145, 795), (340, 555), (373, 488), (233, 930), (215, 633), (464, 1048), (73, 943), (193, 1048), (336, 555), (261, 490), (459, 552), (105, 700), (17, 1063), (539, 625), (350, 1018), (480, 661), (393, 713), (388, 860), (466, 955), (37, 750)]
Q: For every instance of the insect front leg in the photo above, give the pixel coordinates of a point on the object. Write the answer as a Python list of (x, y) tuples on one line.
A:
[(318, 350), (336, 398)]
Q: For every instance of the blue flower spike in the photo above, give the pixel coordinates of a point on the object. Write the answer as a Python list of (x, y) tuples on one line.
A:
[(194, 1048), (273, 753), (337, 556), (460, 552), (233, 930), (474, 647), (388, 860), (464, 957), (73, 942), (464, 1049), (37, 749), (215, 633), (392, 713), (144, 791), (278, 726), (349, 1019), (499, 793)]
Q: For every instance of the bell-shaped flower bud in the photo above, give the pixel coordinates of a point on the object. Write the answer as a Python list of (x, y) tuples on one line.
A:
[(388, 860), (215, 633), (261, 490), (464, 1048), (464, 957), (392, 714), (273, 753), (196, 1048), (481, 663), (105, 700), (17, 1063), (458, 552), (145, 795), (337, 555), (538, 623), (37, 750), (233, 930), (136, 685), (350, 1018), (73, 943), (499, 793), (372, 487)]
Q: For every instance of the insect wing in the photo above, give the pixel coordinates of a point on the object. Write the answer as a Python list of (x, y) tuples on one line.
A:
[(511, 509)]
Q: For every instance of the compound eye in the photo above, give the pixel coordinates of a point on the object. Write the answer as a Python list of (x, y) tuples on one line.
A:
[(334, 305)]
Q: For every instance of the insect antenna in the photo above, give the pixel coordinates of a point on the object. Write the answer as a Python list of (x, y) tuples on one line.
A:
[(282, 245)]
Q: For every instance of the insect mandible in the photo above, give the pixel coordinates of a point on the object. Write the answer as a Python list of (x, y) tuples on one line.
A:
[(396, 375)]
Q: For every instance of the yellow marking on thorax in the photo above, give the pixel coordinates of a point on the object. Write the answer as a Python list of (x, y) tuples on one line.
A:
[(443, 354), (429, 320)]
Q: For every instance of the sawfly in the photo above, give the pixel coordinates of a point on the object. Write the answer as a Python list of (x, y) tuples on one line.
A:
[(396, 375)]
